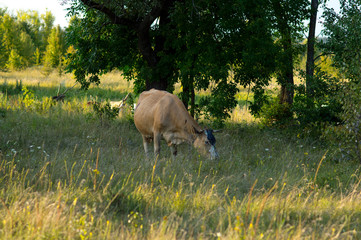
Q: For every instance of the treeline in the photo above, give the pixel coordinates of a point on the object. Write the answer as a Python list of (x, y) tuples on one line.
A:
[(28, 39)]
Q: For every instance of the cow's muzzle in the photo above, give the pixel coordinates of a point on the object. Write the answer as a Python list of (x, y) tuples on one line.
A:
[(213, 152)]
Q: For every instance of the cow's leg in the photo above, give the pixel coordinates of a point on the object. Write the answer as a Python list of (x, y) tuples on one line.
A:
[(189, 150), (157, 138), (146, 146), (173, 148)]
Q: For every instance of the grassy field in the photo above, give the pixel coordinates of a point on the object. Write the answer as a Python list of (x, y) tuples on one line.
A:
[(66, 173)]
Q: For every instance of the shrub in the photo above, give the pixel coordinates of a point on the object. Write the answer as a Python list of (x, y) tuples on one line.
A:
[(217, 106), (275, 113), (323, 106), (350, 96), (105, 111), (28, 97)]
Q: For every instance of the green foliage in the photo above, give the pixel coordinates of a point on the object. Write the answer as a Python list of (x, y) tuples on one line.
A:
[(24, 39), (55, 48), (324, 106), (217, 106), (285, 20), (113, 48), (308, 112), (350, 96), (135, 219), (26, 49), (323, 61), (47, 25), (274, 113), (37, 56), (28, 97), (344, 42), (260, 98), (15, 61), (104, 111), (2, 113)]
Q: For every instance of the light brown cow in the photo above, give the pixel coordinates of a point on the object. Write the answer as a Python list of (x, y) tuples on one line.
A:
[(160, 114)]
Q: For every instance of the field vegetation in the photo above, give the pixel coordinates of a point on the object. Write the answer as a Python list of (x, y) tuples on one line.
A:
[(70, 172)]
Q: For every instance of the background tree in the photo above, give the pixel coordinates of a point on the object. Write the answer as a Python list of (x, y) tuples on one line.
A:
[(55, 48), (310, 63), (343, 33), (27, 49), (9, 36), (315, 103), (3, 50), (288, 18), (47, 25), (22, 38), (55, 51), (15, 61), (30, 23)]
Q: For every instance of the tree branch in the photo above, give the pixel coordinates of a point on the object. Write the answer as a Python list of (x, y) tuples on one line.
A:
[(112, 16), (322, 54)]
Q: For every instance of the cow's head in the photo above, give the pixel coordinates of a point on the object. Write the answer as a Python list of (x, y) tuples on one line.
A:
[(206, 143)]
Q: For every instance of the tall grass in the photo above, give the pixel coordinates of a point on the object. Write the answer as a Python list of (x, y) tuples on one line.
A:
[(66, 174)]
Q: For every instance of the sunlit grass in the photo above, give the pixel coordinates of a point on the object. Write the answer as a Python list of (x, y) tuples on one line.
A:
[(67, 174)]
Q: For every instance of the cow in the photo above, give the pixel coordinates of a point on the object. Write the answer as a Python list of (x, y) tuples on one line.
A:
[(160, 114)]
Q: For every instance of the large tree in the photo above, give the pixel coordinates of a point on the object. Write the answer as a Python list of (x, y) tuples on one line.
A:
[(158, 43), (136, 27), (288, 18)]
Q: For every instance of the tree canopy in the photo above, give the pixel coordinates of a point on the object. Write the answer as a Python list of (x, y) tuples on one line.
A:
[(158, 43)]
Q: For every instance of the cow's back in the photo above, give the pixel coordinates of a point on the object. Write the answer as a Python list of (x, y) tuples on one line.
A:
[(147, 111)]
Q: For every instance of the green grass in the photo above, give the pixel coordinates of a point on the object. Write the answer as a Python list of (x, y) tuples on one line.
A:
[(66, 174)]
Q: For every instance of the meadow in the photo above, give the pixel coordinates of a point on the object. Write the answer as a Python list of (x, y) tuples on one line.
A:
[(67, 172)]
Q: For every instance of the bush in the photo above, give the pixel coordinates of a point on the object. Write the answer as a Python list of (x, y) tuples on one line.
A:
[(275, 113), (105, 111), (350, 96), (217, 106), (323, 106)]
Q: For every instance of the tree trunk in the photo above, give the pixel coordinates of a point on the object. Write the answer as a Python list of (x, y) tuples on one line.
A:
[(186, 91), (160, 84), (188, 94), (188, 87), (310, 63), (285, 77), (193, 101), (287, 82), (160, 75)]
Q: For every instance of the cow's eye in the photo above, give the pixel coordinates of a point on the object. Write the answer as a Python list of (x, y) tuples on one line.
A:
[(207, 142)]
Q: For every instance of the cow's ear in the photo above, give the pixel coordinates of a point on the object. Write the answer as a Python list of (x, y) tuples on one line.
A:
[(197, 131)]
